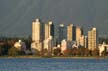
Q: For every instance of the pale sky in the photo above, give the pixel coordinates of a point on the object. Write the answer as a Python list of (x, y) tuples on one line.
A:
[(16, 15)]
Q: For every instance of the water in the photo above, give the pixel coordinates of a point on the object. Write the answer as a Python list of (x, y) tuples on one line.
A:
[(48, 64)]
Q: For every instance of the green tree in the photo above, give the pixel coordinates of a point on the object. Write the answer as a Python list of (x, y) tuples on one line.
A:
[(13, 51), (67, 52), (87, 52), (82, 51), (5, 48), (95, 52), (57, 51), (74, 51), (1, 51)]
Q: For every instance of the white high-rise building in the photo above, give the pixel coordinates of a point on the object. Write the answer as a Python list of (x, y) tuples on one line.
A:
[(49, 32), (92, 39), (46, 32), (36, 35), (49, 28), (36, 31), (82, 41), (78, 35), (70, 32)]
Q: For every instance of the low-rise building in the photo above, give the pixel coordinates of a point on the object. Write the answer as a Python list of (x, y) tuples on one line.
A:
[(103, 47), (20, 45), (63, 46)]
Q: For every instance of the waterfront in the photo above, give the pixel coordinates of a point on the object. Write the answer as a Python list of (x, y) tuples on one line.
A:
[(52, 64)]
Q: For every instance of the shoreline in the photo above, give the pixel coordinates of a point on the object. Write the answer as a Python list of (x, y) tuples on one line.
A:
[(59, 57)]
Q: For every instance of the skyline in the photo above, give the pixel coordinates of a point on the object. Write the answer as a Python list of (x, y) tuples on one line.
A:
[(72, 35), (15, 15)]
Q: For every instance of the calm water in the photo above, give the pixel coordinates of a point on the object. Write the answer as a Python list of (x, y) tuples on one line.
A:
[(45, 64)]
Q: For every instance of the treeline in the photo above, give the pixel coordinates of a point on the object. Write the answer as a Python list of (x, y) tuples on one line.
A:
[(7, 46), (73, 52), (7, 49), (79, 52)]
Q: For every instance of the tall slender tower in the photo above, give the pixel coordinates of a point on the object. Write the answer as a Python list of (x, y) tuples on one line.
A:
[(92, 39), (49, 35), (61, 33), (70, 32), (46, 31), (85, 41), (78, 34), (36, 35), (51, 29), (82, 41), (36, 31)]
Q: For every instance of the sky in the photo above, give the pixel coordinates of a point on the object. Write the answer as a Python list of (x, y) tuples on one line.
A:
[(16, 16)]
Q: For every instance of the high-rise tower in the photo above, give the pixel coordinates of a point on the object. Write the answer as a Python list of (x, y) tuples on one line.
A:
[(49, 30), (46, 31), (36, 45), (71, 32), (49, 36), (61, 33), (92, 39), (36, 31), (78, 34)]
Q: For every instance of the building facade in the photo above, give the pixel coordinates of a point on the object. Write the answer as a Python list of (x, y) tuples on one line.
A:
[(36, 35), (36, 30), (82, 41), (46, 31), (51, 29), (79, 36), (71, 32), (92, 39), (63, 46), (61, 33)]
